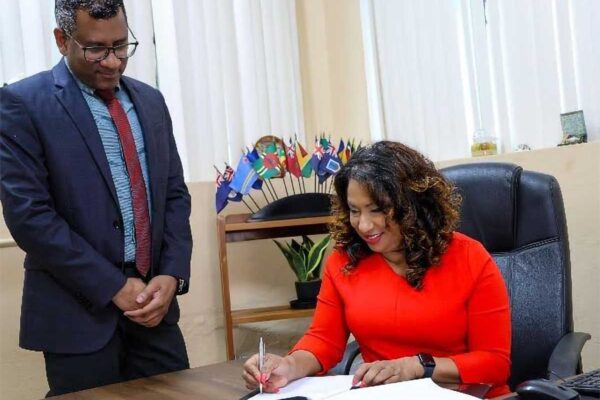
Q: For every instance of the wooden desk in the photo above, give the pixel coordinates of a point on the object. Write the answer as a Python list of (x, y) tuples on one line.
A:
[(221, 381)]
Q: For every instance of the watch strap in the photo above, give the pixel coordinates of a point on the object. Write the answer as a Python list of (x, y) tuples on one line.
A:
[(182, 286), (428, 364)]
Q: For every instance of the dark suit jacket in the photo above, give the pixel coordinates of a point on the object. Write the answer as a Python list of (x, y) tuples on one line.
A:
[(61, 207)]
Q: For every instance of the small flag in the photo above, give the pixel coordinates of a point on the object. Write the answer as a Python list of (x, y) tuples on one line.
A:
[(267, 165), (281, 155), (304, 160), (342, 152), (349, 149), (330, 148), (221, 197), (330, 164), (292, 162), (245, 176), (228, 175), (317, 155), (252, 157)]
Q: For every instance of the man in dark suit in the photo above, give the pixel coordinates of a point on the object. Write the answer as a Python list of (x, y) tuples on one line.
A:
[(92, 190)]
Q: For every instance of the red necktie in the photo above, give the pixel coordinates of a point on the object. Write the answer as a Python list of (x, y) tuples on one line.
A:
[(136, 181)]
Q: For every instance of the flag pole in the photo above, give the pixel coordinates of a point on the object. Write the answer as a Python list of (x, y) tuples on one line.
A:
[(292, 183), (269, 191), (285, 164), (285, 186), (254, 201), (273, 187), (264, 194), (247, 205), (266, 184), (263, 191)]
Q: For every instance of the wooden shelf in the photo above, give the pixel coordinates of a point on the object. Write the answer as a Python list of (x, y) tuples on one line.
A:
[(239, 222), (236, 228), (268, 314)]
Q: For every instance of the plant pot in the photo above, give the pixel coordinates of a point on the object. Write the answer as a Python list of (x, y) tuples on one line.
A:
[(307, 294)]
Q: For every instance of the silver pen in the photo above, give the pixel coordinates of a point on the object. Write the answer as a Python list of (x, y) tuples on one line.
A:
[(261, 361)]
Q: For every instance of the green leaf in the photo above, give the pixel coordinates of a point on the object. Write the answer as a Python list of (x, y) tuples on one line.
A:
[(307, 242), (299, 266), (304, 256), (283, 249), (315, 257), (296, 246), (304, 259), (287, 252)]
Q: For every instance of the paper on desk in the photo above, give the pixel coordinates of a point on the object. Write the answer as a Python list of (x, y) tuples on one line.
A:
[(315, 388), (421, 389), (337, 388)]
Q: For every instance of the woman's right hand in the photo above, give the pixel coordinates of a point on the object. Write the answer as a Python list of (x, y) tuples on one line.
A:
[(275, 374)]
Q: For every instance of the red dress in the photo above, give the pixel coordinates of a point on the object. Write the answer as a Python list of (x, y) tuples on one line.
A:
[(462, 312)]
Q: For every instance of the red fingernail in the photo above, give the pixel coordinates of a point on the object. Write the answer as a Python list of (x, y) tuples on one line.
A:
[(263, 378)]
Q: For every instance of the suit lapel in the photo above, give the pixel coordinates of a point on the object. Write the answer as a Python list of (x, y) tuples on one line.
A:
[(141, 109), (69, 95)]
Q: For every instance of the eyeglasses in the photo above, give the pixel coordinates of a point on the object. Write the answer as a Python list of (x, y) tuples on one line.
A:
[(98, 53)]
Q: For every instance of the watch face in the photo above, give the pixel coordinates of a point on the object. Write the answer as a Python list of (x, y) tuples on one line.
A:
[(426, 360), (181, 286)]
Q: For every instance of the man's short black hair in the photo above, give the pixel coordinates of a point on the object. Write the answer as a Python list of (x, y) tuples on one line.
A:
[(65, 11)]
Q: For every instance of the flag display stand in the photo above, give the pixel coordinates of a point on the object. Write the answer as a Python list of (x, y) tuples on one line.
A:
[(271, 159), (302, 205)]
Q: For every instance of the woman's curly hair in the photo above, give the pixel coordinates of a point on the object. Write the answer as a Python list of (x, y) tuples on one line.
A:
[(409, 189)]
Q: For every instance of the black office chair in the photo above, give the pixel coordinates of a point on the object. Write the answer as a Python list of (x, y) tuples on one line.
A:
[(520, 219)]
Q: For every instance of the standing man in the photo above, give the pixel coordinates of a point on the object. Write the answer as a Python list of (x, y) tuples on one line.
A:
[(92, 190)]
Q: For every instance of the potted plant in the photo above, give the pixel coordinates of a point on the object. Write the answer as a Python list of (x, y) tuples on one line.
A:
[(305, 260)]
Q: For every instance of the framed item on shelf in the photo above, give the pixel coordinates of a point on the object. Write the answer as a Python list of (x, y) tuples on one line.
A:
[(573, 127)]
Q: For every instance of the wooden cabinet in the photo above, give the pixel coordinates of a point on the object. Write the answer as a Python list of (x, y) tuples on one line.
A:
[(235, 228)]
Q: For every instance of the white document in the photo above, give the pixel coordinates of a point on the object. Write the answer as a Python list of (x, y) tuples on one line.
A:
[(419, 389), (315, 388), (338, 388)]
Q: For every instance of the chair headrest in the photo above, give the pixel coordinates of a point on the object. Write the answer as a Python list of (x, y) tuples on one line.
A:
[(489, 206)]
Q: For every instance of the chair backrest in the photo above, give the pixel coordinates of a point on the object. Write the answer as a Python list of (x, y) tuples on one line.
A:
[(519, 217)]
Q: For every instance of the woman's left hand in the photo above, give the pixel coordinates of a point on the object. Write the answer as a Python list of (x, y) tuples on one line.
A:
[(388, 371)]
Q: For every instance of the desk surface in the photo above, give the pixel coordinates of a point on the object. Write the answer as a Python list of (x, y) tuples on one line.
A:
[(221, 381), (213, 382)]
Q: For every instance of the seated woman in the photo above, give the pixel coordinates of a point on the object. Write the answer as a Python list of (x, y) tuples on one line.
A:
[(421, 299)]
